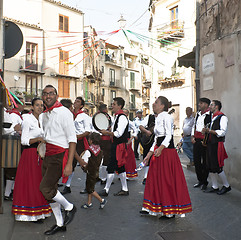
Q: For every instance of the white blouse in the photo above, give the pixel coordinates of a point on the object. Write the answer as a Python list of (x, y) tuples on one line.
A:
[(58, 126), (82, 123), (163, 127), (30, 129), (133, 128)]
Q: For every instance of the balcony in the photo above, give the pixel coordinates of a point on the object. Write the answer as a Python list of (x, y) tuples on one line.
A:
[(25, 65), (171, 82), (112, 60), (114, 83), (173, 29), (28, 94)]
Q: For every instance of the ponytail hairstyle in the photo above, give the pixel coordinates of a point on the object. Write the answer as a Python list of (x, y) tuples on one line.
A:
[(165, 102)]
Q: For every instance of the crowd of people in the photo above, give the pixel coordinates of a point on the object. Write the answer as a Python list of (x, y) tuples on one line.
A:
[(56, 136)]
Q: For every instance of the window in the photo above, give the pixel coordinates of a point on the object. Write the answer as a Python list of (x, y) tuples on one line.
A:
[(103, 92), (174, 17), (63, 62), (86, 89), (102, 69), (63, 88), (112, 77), (132, 80), (31, 85), (31, 56), (112, 95), (133, 101), (63, 23)]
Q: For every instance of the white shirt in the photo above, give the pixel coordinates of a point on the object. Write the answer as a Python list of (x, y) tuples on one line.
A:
[(58, 126), (82, 123), (7, 119), (223, 126), (164, 126), (30, 129), (86, 156), (137, 121), (144, 122), (122, 123), (187, 125), (133, 128), (16, 119), (200, 122)]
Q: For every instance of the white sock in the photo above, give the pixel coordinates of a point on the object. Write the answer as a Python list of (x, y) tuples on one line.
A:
[(146, 171), (123, 181), (224, 179), (8, 188), (59, 198), (103, 173), (57, 213), (68, 183), (110, 177), (213, 177)]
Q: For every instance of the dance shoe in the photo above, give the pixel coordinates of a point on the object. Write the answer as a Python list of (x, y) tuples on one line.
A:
[(212, 190), (69, 215), (55, 229), (66, 190), (103, 193), (199, 184), (224, 190), (122, 193)]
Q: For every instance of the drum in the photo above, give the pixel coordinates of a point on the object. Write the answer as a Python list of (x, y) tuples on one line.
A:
[(41, 150), (11, 151), (101, 121)]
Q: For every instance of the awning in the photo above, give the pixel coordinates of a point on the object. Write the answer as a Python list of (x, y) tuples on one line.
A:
[(187, 60)]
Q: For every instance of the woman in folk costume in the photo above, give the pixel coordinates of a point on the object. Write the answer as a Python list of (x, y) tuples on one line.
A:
[(166, 192), (28, 202), (130, 165)]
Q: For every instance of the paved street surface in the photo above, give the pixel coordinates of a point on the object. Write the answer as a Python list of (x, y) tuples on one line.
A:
[(213, 217)]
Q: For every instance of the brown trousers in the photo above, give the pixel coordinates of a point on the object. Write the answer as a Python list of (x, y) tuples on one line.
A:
[(51, 172)]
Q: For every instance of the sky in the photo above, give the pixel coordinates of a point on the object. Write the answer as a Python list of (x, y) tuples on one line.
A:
[(103, 15)]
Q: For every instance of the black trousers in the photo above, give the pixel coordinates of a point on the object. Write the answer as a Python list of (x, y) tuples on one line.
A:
[(136, 144), (200, 161)]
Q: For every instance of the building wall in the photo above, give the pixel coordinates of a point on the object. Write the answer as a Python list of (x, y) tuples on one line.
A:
[(220, 72)]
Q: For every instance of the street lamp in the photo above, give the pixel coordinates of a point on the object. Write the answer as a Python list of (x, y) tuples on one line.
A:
[(122, 22)]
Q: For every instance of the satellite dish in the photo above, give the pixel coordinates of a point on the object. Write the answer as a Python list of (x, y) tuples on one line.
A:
[(13, 39), (16, 78)]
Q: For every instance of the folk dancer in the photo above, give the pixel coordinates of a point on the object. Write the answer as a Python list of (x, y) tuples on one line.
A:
[(137, 121), (215, 148), (202, 119), (166, 192), (130, 166), (12, 137), (118, 155), (29, 203), (60, 137)]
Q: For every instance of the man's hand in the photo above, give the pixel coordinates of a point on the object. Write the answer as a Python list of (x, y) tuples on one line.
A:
[(17, 127), (68, 170), (193, 140)]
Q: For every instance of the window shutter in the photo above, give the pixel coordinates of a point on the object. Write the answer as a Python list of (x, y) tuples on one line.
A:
[(66, 24), (61, 23), (60, 87), (66, 88)]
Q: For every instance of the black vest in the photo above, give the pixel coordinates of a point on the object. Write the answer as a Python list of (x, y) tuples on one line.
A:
[(216, 126), (124, 137), (207, 119)]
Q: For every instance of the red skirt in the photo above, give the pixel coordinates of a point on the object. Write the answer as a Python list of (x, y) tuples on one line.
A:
[(28, 202), (130, 165), (166, 189)]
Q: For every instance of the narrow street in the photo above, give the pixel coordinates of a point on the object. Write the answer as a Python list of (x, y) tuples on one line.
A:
[(213, 217)]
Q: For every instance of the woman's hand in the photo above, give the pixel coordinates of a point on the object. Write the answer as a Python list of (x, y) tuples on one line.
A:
[(40, 139), (147, 158), (158, 151)]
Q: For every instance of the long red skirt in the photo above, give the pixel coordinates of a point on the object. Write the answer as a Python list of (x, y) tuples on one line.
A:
[(130, 165), (28, 202), (166, 189)]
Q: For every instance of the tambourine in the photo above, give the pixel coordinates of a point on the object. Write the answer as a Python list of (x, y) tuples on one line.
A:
[(101, 121), (41, 150)]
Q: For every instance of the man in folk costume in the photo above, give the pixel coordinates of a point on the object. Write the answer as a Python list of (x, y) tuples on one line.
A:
[(14, 133), (60, 137), (202, 119), (105, 145), (83, 128), (215, 148), (118, 148)]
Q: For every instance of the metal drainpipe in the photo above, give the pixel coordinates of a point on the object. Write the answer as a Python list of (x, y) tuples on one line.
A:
[(197, 53)]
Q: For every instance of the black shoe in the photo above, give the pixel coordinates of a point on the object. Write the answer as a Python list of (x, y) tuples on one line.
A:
[(204, 187), (83, 191), (69, 215), (103, 193), (66, 190), (39, 221), (143, 212), (55, 229), (199, 184), (144, 181), (60, 185), (166, 217), (10, 198), (98, 179), (102, 182), (212, 190), (224, 190), (122, 193)]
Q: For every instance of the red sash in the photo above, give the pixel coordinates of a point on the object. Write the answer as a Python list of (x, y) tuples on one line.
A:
[(222, 155), (198, 135), (105, 138), (86, 144), (121, 154), (52, 149)]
